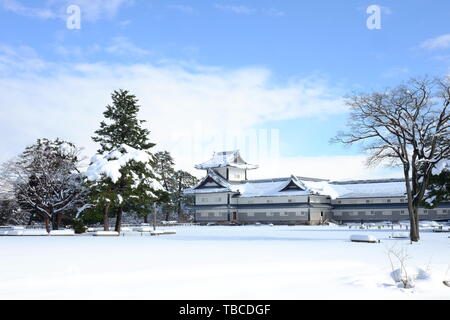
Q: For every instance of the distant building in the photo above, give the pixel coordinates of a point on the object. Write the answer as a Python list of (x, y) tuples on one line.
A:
[(225, 195)]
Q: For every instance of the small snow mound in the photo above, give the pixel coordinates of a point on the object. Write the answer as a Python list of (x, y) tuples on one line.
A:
[(400, 235), (35, 232), (408, 277), (429, 224), (105, 234), (144, 229), (66, 232), (363, 238)]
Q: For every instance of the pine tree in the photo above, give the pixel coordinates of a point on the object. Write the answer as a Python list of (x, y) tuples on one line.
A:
[(164, 168), (174, 182), (184, 180), (121, 175), (438, 189), (124, 127)]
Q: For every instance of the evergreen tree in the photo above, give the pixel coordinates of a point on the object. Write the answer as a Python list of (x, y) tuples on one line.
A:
[(121, 175), (438, 189), (124, 128), (184, 180), (164, 168), (174, 182)]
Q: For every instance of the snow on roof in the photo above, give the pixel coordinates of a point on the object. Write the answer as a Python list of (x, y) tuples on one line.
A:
[(335, 189), (360, 189), (252, 188), (226, 159), (271, 188)]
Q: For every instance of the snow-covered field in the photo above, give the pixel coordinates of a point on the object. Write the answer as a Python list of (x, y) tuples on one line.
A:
[(246, 262)]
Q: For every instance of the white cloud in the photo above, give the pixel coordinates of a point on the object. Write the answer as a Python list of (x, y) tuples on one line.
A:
[(124, 47), (238, 9), (18, 8), (91, 10), (395, 72), (440, 42), (186, 105), (182, 8), (325, 167), (244, 10), (274, 12), (21, 59), (386, 10), (118, 46), (98, 9)]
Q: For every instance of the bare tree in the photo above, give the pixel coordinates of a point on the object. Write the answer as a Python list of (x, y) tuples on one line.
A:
[(48, 180), (407, 126), (10, 212)]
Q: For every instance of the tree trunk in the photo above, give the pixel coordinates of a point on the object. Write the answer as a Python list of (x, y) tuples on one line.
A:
[(31, 219), (167, 215), (412, 209), (154, 216), (119, 219), (180, 188), (47, 223), (146, 218), (53, 215), (58, 220), (179, 209), (414, 230), (106, 217)]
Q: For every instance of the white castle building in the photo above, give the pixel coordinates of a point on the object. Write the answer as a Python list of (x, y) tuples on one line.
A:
[(225, 195)]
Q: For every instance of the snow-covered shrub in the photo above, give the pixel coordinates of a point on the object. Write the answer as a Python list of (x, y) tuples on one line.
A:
[(79, 226), (408, 277)]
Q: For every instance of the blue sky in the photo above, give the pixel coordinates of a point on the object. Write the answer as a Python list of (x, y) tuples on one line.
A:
[(297, 59)]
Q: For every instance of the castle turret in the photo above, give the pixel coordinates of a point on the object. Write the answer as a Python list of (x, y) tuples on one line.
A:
[(228, 164)]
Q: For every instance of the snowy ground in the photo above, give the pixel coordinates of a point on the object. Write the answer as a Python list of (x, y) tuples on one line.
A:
[(247, 262)]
